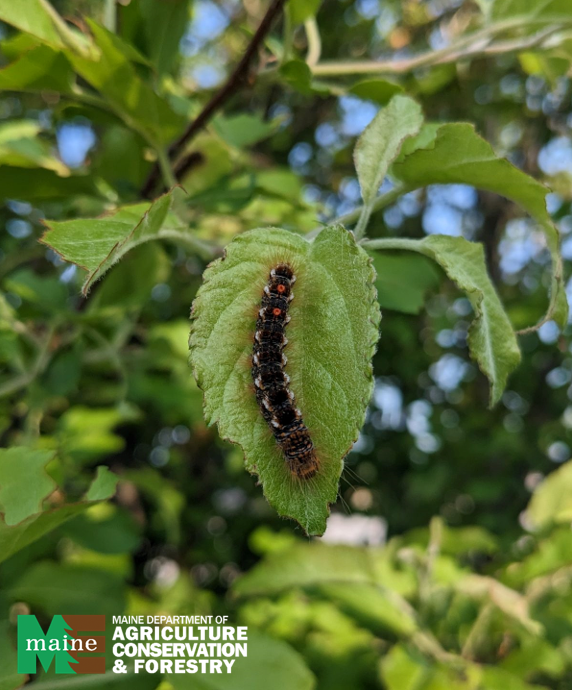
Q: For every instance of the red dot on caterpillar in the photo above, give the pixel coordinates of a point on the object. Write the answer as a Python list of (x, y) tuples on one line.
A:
[(281, 288), (277, 311)]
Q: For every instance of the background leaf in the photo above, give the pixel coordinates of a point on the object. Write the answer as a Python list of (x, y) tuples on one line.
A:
[(301, 10), (34, 17), (24, 482), (308, 565), (39, 69), (10, 679), (492, 341), (458, 154), (76, 590), (267, 658), (403, 281), (13, 538), (379, 91), (96, 244), (165, 23), (114, 76), (332, 335), (552, 500)]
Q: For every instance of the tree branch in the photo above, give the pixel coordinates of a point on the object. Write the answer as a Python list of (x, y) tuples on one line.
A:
[(238, 78)]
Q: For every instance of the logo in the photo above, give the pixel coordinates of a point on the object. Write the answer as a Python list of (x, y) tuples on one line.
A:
[(69, 641)]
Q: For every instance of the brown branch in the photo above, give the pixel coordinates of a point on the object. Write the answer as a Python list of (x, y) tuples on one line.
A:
[(190, 161), (238, 78)]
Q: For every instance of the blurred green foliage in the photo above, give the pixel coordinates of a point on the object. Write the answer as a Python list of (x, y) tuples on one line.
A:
[(473, 588)]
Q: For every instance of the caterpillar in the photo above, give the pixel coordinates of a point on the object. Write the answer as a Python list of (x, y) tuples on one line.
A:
[(274, 397)]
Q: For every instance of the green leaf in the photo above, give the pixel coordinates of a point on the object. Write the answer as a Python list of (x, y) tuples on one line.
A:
[(115, 77), (165, 22), (267, 659), (332, 336), (30, 490), (408, 669), (110, 680), (129, 283), (457, 154), (499, 679), (492, 341), (298, 75), (28, 184), (300, 10), (552, 500), (379, 91), (308, 565), (21, 146), (46, 292), (103, 486), (404, 670), (381, 141), (77, 590), (96, 244), (403, 281), (39, 69), (105, 529), (10, 679), (244, 129), (24, 483), (85, 433), (371, 607), (35, 17), (546, 11)]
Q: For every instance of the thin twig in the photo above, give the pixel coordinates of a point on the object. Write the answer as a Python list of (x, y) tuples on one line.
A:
[(352, 217), (238, 78), (479, 46)]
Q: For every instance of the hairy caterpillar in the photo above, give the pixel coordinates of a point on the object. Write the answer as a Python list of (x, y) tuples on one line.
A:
[(274, 397)]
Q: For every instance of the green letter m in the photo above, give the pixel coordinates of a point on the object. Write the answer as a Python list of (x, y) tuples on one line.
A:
[(33, 645)]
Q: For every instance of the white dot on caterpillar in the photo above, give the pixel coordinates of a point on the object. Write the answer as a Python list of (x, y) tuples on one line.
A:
[(267, 289), (255, 359), (273, 272), (291, 297), (298, 412), (266, 404), (261, 312), (257, 336), (293, 279), (258, 382), (274, 423), (284, 360), (287, 319), (284, 341), (286, 378), (290, 394)]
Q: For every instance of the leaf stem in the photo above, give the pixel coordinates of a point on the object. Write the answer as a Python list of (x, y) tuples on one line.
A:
[(110, 16), (404, 243), (477, 632), (359, 231), (165, 166), (41, 362), (203, 249), (314, 42), (287, 37)]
